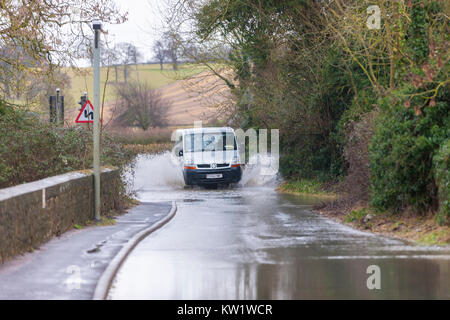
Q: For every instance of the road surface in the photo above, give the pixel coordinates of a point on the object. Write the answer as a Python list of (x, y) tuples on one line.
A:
[(68, 267), (251, 242)]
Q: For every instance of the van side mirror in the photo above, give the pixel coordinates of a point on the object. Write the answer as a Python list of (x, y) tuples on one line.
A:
[(180, 153)]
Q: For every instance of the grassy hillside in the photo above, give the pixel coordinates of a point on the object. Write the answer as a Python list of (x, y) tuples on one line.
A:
[(82, 81)]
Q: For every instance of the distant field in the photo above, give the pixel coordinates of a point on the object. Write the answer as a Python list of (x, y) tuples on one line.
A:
[(83, 81), (193, 93)]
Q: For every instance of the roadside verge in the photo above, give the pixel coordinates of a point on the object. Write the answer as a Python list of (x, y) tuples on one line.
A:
[(356, 213)]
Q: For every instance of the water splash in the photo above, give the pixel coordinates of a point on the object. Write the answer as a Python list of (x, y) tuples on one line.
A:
[(157, 170), (261, 173), (164, 171)]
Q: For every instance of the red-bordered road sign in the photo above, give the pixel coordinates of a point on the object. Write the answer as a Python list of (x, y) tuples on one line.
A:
[(86, 114)]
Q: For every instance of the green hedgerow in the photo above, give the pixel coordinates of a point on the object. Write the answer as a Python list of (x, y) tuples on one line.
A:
[(441, 163), (401, 154), (31, 149)]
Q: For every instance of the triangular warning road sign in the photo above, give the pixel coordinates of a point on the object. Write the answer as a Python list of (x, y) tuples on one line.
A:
[(86, 114)]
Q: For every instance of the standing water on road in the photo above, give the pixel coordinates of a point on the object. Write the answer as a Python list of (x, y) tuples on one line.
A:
[(251, 242)]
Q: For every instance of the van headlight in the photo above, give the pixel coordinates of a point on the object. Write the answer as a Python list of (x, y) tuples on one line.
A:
[(189, 162)]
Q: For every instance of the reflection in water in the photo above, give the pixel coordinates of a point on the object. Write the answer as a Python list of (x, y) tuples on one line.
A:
[(253, 243)]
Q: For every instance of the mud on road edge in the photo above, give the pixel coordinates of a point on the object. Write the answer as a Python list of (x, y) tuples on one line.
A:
[(422, 230)]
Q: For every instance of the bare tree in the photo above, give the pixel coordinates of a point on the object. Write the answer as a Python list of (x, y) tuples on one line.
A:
[(210, 53), (135, 54), (27, 87), (124, 58), (173, 48), (106, 56), (48, 33), (127, 54), (141, 106), (160, 52), (115, 60)]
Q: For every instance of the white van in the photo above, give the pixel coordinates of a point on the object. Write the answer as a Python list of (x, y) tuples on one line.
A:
[(209, 156)]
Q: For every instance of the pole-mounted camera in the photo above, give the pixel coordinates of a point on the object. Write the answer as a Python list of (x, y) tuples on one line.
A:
[(97, 26)]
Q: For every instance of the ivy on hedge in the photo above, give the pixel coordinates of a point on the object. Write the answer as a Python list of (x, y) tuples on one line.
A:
[(441, 163), (401, 155)]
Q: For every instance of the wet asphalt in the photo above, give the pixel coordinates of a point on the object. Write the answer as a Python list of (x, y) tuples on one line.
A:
[(251, 242), (68, 267)]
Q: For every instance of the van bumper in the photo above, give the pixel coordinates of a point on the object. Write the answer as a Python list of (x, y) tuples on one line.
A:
[(199, 176)]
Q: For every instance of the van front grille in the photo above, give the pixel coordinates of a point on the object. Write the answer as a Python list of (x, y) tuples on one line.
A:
[(208, 166)]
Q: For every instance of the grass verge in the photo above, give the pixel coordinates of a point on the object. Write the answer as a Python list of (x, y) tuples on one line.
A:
[(308, 187), (422, 230)]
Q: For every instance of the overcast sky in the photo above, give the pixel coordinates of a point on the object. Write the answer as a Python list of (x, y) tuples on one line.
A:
[(143, 25)]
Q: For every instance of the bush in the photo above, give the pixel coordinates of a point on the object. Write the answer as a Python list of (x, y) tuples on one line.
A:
[(354, 132), (308, 156), (442, 177), (142, 106), (31, 150), (401, 155)]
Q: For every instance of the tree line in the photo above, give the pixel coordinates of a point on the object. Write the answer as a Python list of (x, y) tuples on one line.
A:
[(38, 37), (358, 89)]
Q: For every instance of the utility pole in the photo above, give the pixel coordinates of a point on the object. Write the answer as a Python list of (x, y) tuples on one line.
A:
[(97, 26)]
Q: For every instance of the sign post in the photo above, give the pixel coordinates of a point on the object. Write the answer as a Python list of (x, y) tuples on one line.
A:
[(97, 26)]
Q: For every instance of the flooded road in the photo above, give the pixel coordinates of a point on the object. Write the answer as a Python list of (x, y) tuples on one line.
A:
[(251, 242)]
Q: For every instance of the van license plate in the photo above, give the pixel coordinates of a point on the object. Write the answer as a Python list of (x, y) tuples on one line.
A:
[(214, 176)]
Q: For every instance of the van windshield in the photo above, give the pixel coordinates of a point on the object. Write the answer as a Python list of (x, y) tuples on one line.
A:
[(210, 141)]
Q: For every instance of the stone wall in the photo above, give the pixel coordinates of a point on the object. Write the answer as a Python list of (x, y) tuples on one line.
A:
[(33, 213)]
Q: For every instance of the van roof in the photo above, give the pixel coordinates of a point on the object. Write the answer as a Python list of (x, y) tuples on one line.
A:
[(205, 129)]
